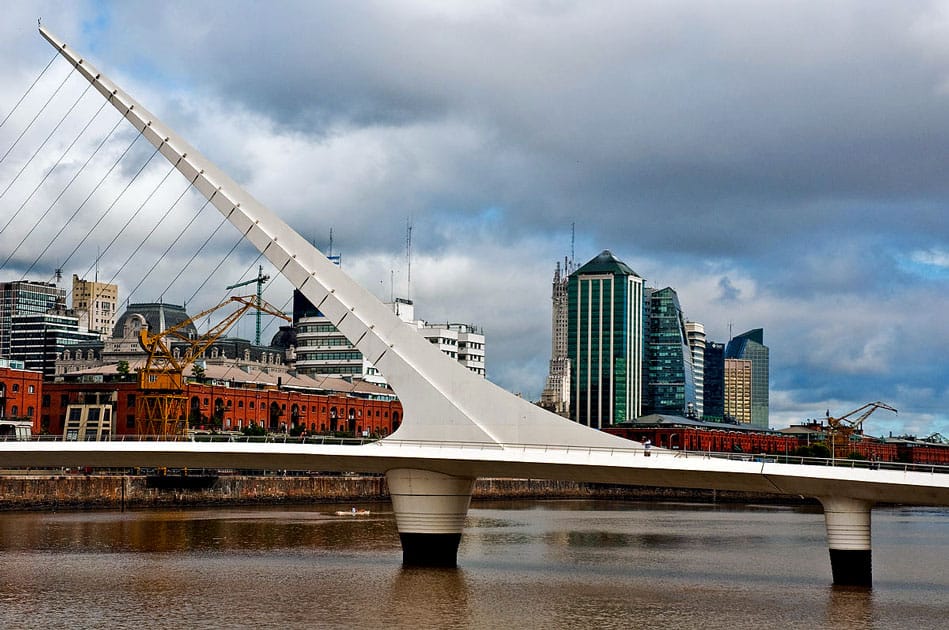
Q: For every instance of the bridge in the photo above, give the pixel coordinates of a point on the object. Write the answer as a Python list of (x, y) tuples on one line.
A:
[(456, 426)]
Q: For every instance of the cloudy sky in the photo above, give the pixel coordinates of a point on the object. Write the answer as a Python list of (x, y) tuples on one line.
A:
[(781, 165)]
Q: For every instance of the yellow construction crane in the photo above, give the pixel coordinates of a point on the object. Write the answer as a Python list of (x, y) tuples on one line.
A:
[(160, 408), (844, 427)]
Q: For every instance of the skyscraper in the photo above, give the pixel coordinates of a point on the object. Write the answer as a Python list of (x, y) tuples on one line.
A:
[(670, 383), (750, 345), (556, 394), (713, 394), (696, 336), (605, 341)]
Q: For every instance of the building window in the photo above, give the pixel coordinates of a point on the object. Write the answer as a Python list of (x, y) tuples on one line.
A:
[(16, 388)]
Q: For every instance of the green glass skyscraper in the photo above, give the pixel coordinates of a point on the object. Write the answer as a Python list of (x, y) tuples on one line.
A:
[(670, 380), (605, 341)]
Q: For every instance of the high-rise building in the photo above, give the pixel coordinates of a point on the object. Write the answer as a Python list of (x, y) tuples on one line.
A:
[(556, 394), (24, 297), (713, 385), (750, 345), (670, 384), (37, 340), (696, 336), (605, 341), (95, 304), (738, 390)]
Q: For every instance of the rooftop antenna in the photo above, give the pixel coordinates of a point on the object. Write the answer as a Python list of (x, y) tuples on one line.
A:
[(729, 331), (408, 257), (331, 242), (59, 275), (573, 242)]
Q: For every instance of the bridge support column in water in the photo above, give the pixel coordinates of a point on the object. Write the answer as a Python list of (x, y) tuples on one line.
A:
[(430, 510), (848, 537)]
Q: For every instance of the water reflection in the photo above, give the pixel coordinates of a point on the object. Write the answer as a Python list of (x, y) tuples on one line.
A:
[(849, 607), (428, 598), (523, 565)]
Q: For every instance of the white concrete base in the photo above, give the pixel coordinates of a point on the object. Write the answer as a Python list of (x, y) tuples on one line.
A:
[(430, 510), (848, 538)]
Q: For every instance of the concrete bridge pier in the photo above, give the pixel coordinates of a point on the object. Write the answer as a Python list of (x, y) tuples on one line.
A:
[(430, 510), (848, 537)]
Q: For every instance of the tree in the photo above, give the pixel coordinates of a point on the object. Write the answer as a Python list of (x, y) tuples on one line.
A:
[(123, 369)]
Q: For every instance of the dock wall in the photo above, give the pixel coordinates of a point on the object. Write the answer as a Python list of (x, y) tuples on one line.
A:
[(77, 491)]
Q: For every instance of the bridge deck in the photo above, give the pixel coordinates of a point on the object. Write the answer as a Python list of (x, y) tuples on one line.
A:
[(601, 465)]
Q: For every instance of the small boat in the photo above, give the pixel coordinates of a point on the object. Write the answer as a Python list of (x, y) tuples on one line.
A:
[(353, 512)]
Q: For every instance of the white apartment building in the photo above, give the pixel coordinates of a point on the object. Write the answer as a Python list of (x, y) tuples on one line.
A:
[(321, 349), (696, 337)]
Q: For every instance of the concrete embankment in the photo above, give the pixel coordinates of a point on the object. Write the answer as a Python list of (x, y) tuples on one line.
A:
[(77, 491)]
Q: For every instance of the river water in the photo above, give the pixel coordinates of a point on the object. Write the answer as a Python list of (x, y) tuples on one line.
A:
[(523, 564)]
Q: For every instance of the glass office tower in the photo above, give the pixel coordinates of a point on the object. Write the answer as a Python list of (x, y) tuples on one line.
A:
[(605, 341), (670, 381)]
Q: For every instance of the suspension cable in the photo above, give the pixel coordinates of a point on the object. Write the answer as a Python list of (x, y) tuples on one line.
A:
[(111, 205), (41, 110), (172, 244), (134, 215), (40, 148), (29, 89), (240, 239), (56, 165), (146, 237), (194, 255), (63, 227)]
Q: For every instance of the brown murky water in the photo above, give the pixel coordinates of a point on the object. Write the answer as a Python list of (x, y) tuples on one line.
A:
[(557, 564)]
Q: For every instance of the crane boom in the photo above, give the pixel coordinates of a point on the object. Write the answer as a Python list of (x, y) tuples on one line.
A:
[(852, 421), (159, 410)]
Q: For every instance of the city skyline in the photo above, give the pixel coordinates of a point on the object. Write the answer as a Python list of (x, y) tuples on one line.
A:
[(776, 175)]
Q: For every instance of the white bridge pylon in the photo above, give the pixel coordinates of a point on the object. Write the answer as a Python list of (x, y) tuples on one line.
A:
[(441, 399)]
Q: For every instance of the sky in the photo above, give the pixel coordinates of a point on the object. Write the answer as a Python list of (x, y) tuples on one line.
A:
[(781, 165)]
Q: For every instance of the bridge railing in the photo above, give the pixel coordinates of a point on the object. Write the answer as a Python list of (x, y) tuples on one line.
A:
[(211, 437), (633, 451), (763, 458)]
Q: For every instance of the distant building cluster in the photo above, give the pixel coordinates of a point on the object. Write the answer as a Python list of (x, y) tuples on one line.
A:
[(622, 350), (85, 357)]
